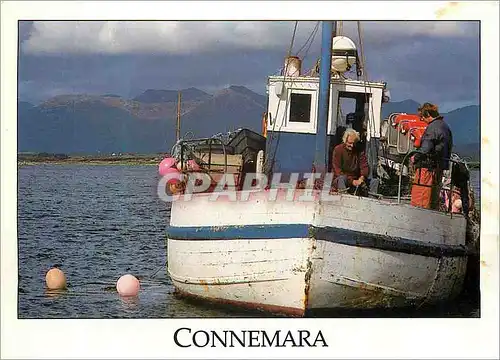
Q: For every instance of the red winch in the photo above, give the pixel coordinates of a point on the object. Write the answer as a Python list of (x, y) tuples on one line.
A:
[(410, 124)]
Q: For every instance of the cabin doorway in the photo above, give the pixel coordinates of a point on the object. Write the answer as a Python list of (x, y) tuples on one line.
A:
[(352, 111)]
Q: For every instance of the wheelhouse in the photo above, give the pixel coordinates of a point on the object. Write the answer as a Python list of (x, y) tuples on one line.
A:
[(292, 118)]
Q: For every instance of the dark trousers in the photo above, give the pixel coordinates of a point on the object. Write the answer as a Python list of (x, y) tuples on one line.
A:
[(342, 184)]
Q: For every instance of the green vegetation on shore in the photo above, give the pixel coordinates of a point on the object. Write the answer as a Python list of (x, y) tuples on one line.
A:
[(111, 159), (99, 159), (474, 164)]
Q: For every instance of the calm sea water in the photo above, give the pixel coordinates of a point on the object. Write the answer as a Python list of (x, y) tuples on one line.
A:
[(97, 223)]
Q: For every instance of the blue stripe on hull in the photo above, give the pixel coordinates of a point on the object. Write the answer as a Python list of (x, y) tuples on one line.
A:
[(230, 232), (331, 234)]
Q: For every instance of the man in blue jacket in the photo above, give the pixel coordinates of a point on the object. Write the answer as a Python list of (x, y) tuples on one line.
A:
[(435, 150)]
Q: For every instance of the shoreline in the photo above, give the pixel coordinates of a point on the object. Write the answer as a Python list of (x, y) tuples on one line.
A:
[(118, 163), (30, 160), (114, 162), (152, 159)]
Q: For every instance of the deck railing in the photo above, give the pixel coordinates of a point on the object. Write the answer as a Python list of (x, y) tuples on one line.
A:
[(199, 141), (409, 155)]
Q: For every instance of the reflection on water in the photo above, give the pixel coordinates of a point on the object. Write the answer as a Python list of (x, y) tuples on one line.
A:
[(55, 293), (99, 223), (130, 303)]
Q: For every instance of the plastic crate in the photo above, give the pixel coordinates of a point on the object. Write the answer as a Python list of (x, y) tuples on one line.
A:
[(248, 143), (215, 148)]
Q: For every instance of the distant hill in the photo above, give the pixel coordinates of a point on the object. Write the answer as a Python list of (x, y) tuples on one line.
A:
[(407, 106), (227, 110), (465, 123), (470, 151), (160, 96), (86, 128), (23, 105), (88, 124)]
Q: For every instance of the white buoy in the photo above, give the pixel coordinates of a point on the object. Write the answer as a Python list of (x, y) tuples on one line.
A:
[(55, 279), (128, 285)]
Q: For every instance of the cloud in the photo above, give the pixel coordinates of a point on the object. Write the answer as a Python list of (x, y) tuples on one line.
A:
[(424, 60), (430, 69), (129, 75), (190, 37), (153, 37)]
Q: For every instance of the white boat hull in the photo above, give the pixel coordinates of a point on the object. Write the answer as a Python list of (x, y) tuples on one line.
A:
[(290, 256), (257, 273)]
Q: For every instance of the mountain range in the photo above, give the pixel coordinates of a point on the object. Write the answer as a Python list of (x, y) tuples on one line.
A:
[(92, 124), (89, 124)]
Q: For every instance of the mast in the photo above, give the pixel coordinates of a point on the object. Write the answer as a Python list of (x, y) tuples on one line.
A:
[(178, 128), (320, 156)]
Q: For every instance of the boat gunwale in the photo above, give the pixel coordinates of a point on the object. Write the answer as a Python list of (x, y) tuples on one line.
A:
[(317, 194)]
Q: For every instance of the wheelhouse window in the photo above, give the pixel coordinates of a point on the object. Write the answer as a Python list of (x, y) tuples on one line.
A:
[(351, 106), (300, 108)]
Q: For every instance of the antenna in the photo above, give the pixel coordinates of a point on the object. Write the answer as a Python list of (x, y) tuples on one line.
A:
[(178, 128)]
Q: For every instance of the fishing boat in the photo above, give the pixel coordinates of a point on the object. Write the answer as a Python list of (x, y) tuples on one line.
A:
[(296, 245)]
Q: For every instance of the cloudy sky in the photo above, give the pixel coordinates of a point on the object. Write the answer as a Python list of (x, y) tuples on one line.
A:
[(436, 61)]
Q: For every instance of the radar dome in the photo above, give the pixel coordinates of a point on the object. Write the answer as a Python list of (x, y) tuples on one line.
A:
[(344, 54)]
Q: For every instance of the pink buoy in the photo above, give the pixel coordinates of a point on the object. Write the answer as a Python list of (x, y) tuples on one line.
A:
[(166, 164), (193, 166), (128, 285), (174, 174)]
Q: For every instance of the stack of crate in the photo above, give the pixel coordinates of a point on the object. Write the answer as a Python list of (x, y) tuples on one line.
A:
[(216, 165)]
